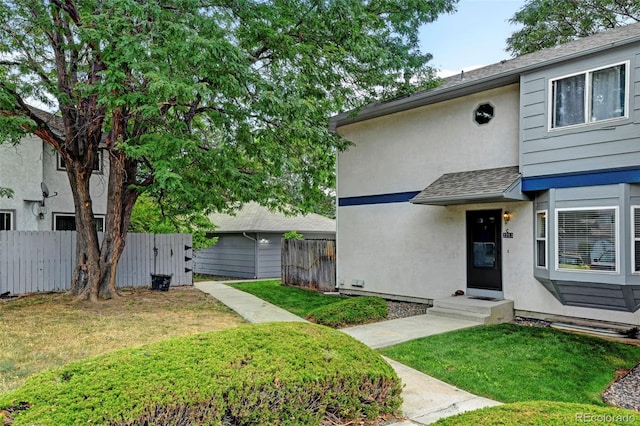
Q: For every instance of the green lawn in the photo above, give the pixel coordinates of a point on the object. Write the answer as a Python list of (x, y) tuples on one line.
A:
[(295, 300), (542, 413), (512, 363)]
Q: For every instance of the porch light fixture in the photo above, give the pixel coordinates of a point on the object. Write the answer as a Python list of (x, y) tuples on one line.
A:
[(506, 216)]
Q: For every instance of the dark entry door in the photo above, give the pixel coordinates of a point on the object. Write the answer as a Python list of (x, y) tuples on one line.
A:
[(484, 265)]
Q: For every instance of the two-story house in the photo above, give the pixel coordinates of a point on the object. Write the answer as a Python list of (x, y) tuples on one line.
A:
[(42, 199), (519, 181)]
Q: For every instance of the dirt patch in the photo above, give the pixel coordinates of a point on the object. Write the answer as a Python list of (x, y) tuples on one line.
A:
[(41, 331)]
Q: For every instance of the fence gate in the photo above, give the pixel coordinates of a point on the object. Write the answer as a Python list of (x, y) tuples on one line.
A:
[(309, 263), (32, 261)]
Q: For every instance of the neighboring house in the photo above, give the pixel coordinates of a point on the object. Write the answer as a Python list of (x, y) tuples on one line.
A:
[(519, 180), (24, 167), (249, 242)]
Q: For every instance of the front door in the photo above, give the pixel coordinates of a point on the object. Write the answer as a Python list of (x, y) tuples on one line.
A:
[(484, 265)]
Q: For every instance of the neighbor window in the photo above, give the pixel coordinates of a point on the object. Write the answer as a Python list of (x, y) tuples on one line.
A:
[(67, 222), (635, 226), (97, 162), (587, 239), (590, 96), (541, 239), (6, 220)]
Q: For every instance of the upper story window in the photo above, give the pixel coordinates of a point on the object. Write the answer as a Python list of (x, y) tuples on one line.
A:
[(588, 97), (586, 239), (97, 163), (483, 114), (6, 220)]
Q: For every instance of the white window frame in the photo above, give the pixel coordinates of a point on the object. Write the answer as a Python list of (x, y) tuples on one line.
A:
[(587, 107), (11, 218), (61, 166), (634, 239), (617, 243), (545, 239), (98, 217)]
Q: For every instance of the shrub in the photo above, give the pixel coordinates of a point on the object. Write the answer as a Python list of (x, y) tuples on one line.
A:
[(278, 373), (541, 413), (351, 311)]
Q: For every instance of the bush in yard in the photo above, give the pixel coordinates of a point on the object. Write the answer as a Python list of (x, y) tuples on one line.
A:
[(277, 373), (351, 311)]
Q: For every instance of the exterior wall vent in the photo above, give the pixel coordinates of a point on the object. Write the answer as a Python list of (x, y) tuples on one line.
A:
[(357, 283)]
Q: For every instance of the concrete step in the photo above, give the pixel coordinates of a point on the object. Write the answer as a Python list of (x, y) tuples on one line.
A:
[(452, 313), (465, 307)]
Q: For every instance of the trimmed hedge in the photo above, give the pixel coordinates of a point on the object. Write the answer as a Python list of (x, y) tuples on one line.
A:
[(542, 413), (277, 373), (350, 311)]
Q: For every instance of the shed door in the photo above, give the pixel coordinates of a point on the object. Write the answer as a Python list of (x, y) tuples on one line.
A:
[(484, 263)]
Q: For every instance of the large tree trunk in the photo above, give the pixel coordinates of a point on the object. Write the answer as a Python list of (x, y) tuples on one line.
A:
[(95, 273), (88, 272)]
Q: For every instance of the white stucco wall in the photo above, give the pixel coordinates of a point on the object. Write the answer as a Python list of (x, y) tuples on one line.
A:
[(23, 167), (21, 171), (416, 250), (409, 150), (57, 181)]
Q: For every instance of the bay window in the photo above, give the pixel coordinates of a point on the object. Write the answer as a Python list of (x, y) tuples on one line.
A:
[(635, 238), (586, 239), (541, 239)]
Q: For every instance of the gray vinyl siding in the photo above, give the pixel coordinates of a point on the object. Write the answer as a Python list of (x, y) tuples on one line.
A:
[(269, 255), (232, 256), (595, 146)]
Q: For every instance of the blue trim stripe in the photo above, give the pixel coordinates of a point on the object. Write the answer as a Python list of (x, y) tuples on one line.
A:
[(568, 180), (396, 197)]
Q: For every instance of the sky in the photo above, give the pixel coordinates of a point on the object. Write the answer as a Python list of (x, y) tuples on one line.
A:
[(473, 36)]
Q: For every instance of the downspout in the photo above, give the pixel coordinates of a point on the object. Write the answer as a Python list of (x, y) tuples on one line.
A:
[(255, 253), (244, 234)]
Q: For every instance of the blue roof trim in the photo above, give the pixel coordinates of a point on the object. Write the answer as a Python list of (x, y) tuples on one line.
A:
[(396, 197), (591, 178)]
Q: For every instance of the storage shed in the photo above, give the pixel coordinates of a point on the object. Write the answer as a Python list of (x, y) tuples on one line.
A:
[(249, 241)]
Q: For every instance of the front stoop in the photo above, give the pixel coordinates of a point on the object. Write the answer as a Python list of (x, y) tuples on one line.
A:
[(472, 309)]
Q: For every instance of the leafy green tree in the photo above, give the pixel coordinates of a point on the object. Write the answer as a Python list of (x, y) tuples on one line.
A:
[(210, 102), (547, 23), (148, 216)]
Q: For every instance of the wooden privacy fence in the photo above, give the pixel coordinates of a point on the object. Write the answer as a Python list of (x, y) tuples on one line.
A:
[(309, 263), (32, 261)]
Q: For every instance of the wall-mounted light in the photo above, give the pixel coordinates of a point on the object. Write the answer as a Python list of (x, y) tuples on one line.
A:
[(506, 216), (263, 241)]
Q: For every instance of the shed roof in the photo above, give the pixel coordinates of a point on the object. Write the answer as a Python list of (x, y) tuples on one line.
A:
[(477, 186), (253, 217), (495, 75)]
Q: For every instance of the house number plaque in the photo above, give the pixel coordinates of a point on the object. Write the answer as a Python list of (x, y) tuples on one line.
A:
[(507, 234)]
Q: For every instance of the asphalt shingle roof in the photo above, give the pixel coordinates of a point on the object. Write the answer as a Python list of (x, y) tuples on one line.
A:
[(495, 75), (471, 186), (253, 217)]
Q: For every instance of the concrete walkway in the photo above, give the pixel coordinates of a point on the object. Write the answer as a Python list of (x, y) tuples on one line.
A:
[(425, 399)]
